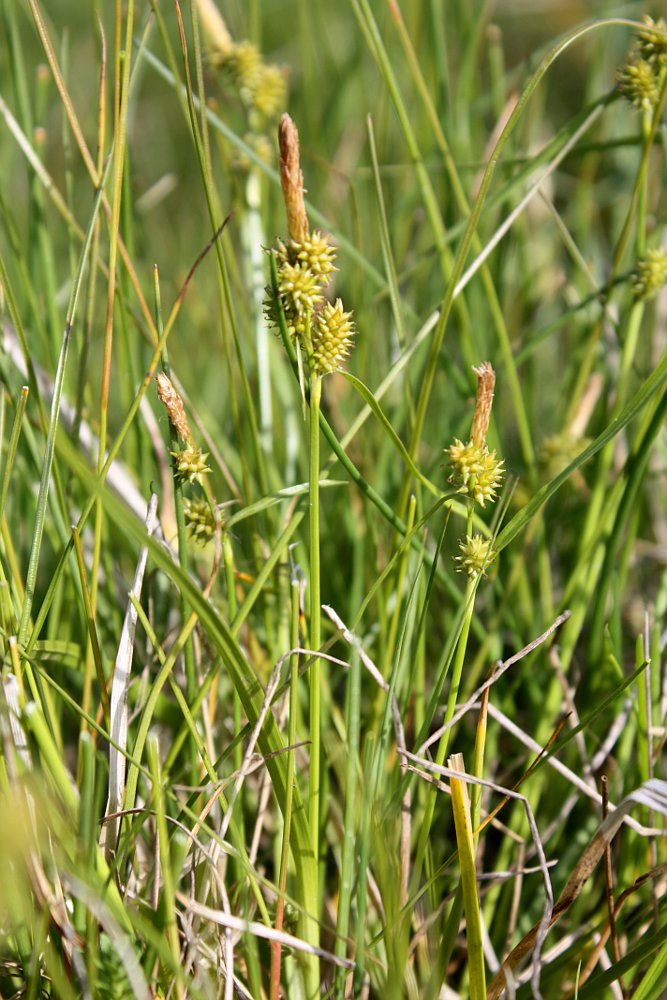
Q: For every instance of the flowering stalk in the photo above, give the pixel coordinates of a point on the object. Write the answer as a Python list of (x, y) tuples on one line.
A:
[(318, 337), (315, 619), (478, 472), (179, 430)]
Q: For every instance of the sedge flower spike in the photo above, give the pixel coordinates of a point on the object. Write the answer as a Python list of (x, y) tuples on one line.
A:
[(190, 464), (304, 265), (652, 42), (291, 179), (200, 520), (639, 84), (641, 78), (331, 337), (476, 556), (475, 469), (650, 274), (173, 404)]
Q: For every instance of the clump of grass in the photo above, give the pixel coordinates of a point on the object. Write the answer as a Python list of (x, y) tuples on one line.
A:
[(290, 707)]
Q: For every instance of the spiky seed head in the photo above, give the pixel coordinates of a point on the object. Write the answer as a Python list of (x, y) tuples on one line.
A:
[(652, 42), (300, 287), (200, 520), (291, 179), (639, 84), (650, 274), (315, 252), (270, 90), (244, 64), (332, 335), (190, 464), (173, 404), (486, 380), (476, 470), (476, 556)]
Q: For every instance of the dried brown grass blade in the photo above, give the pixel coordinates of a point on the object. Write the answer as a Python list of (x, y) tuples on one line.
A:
[(652, 794)]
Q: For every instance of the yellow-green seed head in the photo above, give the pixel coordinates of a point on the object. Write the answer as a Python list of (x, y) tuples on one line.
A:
[(317, 253), (652, 42), (191, 464), (270, 90), (476, 556), (243, 62), (299, 287), (314, 251), (638, 84), (558, 451), (650, 274), (200, 520), (296, 322), (476, 470), (332, 335)]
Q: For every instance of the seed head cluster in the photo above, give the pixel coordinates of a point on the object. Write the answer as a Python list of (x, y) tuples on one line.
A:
[(200, 520), (305, 264), (477, 472), (476, 556), (650, 274), (189, 461), (641, 78), (261, 86)]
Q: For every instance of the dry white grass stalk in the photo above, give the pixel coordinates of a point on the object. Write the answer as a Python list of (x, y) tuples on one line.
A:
[(570, 775), (542, 928), (265, 793), (248, 757), (501, 667), (16, 731), (406, 805), (653, 795), (261, 931), (120, 687)]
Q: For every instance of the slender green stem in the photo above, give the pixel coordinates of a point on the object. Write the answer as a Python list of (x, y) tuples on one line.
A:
[(289, 797), (315, 613), (443, 745)]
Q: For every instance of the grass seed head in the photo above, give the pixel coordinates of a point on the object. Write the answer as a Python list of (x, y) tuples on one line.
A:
[(475, 470), (476, 556), (190, 463), (332, 335), (650, 274), (652, 42), (200, 520), (639, 84)]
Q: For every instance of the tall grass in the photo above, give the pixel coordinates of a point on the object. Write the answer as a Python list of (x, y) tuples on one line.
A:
[(269, 741)]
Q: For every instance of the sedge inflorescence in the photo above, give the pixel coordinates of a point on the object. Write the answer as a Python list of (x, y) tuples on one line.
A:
[(305, 264), (200, 519), (190, 462), (476, 555), (641, 77), (650, 274), (478, 472), (261, 86)]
